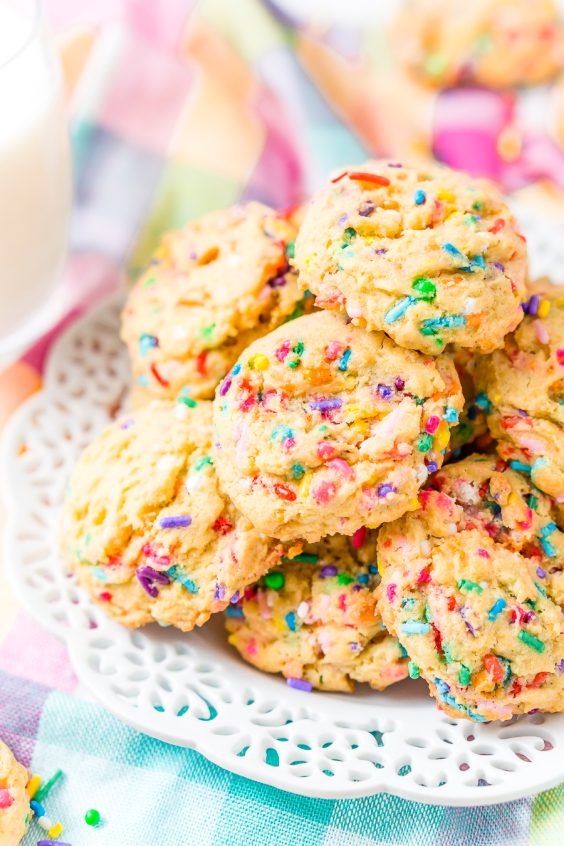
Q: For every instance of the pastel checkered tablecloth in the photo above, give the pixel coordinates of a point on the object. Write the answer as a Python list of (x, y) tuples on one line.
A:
[(178, 108)]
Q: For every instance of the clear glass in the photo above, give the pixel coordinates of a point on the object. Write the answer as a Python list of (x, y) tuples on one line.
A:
[(35, 177)]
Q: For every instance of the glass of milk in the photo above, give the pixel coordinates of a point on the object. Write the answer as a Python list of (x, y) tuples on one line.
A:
[(35, 177)]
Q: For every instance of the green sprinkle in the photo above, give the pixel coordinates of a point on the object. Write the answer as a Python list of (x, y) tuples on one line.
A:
[(92, 817), (532, 501), (48, 786), (448, 654), (464, 675), (291, 249), (208, 331), (297, 471), (275, 580), (424, 442), (530, 640), (413, 670), (466, 585), (299, 348), (470, 218), (477, 206), (150, 281), (294, 363), (350, 233), (187, 401), (428, 613), (303, 558), (202, 462), (427, 289), (344, 579)]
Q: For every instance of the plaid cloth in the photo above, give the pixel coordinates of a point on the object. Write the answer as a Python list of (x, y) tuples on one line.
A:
[(177, 109)]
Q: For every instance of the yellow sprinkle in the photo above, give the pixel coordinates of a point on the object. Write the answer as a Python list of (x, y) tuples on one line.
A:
[(544, 308), (442, 437), (559, 303), (413, 504), (259, 362), (305, 485), (362, 426), (279, 624), (445, 195), (55, 831), (513, 499), (496, 398), (33, 785)]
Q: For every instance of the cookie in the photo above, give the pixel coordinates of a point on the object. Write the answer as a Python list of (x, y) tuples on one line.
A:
[(214, 287), (145, 527), (492, 43), (314, 619), (471, 433), (522, 389), (424, 253), (14, 800), (473, 587), (322, 428)]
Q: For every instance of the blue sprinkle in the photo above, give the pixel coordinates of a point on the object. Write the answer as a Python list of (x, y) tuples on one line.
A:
[(291, 621), (521, 466), (184, 580), (281, 432), (537, 464), (540, 589), (143, 381), (236, 369), (373, 568), (454, 251), (37, 808), (412, 627), (363, 578), (450, 415), (443, 691), (496, 609), (147, 342), (234, 611), (344, 361), (403, 651), (548, 548), (548, 529), (399, 309), (100, 574), (483, 402), (447, 321), (419, 197)]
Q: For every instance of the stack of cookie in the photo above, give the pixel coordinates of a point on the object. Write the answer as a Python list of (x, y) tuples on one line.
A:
[(307, 501)]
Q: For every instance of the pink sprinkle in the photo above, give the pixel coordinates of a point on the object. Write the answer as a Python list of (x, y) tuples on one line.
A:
[(251, 647), (6, 798), (325, 492), (526, 524), (325, 450), (359, 537), (343, 602), (288, 443), (340, 466), (484, 553), (541, 333), (333, 350), (560, 357), (282, 351), (424, 576), (432, 424), (391, 592)]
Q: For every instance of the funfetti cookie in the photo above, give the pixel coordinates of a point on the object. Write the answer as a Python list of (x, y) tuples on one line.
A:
[(314, 619), (473, 587), (14, 800), (522, 389), (322, 428), (491, 43), (146, 528), (215, 286), (423, 253)]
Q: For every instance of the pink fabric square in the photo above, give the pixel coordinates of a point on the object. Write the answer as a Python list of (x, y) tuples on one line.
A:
[(146, 92), (29, 652)]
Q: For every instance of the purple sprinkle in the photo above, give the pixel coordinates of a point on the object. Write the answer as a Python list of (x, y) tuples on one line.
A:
[(399, 384), (469, 625), (394, 164), (499, 265), (534, 305), (354, 646), (560, 666), (380, 252), (366, 208), (541, 573), (384, 391), (530, 615), (525, 307), (299, 684), (326, 405), (193, 256), (533, 711), (385, 489), (180, 522), (235, 598), (356, 588), (148, 576), (278, 281), (432, 467), (343, 219), (219, 592), (52, 843), (127, 424), (328, 570), (225, 385)]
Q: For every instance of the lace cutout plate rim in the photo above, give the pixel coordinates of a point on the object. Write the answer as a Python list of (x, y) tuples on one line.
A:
[(192, 689)]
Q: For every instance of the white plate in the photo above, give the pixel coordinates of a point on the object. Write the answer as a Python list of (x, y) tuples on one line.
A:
[(194, 690)]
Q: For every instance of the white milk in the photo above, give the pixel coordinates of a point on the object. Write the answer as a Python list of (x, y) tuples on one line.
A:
[(34, 176)]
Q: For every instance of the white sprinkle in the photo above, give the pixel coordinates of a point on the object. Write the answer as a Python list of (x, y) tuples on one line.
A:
[(179, 332), (180, 411), (302, 610), (194, 483), (167, 462)]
